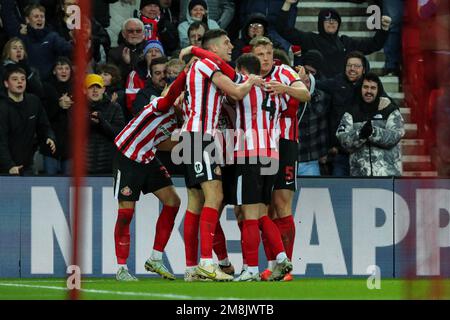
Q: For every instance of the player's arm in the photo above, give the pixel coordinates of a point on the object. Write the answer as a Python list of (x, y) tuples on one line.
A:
[(296, 90), (175, 89), (235, 91), (205, 54)]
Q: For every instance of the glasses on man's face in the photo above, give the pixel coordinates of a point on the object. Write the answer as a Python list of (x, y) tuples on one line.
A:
[(256, 26), (331, 21), (354, 66), (137, 31)]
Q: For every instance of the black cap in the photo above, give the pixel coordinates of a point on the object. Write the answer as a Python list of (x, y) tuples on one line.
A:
[(147, 2)]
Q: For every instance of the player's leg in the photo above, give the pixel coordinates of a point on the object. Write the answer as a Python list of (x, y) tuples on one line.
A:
[(240, 221), (282, 200), (191, 229), (250, 242), (122, 239), (270, 255), (220, 247), (127, 188), (164, 226), (209, 217)]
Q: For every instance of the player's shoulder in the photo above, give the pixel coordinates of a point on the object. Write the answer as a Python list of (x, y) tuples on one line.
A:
[(205, 62)]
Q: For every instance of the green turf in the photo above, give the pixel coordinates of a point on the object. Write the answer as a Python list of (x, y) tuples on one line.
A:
[(155, 288)]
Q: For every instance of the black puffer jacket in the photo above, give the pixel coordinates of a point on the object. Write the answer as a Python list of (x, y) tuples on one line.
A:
[(23, 125), (101, 136), (59, 118), (333, 47)]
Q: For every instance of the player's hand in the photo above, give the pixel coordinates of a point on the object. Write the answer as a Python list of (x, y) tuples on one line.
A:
[(256, 80), (185, 52), (179, 101), (126, 57), (15, 170), (385, 22), (302, 73), (188, 65), (51, 144), (275, 87)]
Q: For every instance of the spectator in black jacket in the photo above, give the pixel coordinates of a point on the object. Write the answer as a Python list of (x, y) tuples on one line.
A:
[(130, 52), (113, 84), (343, 89), (106, 121), (23, 124), (101, 11), (99, 37), (43, 46), (256, 25), (14, 53), (328, 41), (313, 122), (58, 102), (154, 85)]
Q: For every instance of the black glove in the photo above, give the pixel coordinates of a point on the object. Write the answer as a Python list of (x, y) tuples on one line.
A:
[(366, 130)]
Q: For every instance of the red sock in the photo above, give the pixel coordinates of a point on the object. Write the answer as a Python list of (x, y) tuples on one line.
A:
[(250, 241), (240, 225), (208, 222), (164, 227), (220, 243), (122, 234), (191, 223), (272, 235), (266, 245), (286, 226)]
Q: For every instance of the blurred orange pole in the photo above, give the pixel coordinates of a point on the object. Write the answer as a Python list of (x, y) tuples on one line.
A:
[(79, 134)]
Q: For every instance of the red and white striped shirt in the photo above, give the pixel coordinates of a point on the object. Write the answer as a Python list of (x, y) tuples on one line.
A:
[(287, 76), (257, 129), (139, 139), (203, 100)]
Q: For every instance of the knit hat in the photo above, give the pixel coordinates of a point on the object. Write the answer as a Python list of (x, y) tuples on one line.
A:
[(194, 3), (314, 59), (147, 2), (326, 14), (154, 44)]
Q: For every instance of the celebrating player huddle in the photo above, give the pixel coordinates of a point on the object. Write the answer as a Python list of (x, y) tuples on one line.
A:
[(248, 162)]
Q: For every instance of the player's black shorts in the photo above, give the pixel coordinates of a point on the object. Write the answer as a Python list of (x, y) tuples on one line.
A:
[(131, 177), (251, 184), (201, 164), (287, 173), (228, 183)]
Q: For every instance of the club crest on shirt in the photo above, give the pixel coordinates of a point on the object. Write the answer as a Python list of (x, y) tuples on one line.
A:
[(126, 191), (198, 167)]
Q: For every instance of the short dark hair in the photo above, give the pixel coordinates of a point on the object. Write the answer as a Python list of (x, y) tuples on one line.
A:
[(159, 60), (249, 62), (112, 69), (31, 7), (13, 68), (196, 25), (211, 35), (62, 61), (356, 54), (281, 55), (371, 77)]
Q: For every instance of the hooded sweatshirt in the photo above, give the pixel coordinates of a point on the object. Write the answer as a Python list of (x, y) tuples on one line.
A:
[(245, 39), (184, 26), (333, 47)]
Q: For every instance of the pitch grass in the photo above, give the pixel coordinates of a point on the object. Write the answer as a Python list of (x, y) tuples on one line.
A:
[(159, 289)]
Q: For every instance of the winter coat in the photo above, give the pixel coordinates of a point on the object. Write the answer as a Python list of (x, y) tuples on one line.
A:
[(313, 127), (34, 84), (184, 26), (221, 11), (101, 11), (137, 55), (100, 145), (334, 48), (23, 125), (380, 154), (59, 118), (43, 46), (244, 40), (145, 96)]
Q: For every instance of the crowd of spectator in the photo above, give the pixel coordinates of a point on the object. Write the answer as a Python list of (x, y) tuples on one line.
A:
[(132, 67)]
